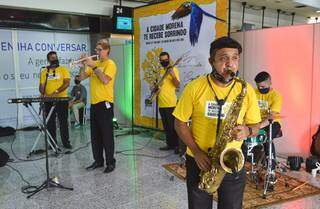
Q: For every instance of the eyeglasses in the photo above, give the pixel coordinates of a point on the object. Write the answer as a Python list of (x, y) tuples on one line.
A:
[(98, 49)]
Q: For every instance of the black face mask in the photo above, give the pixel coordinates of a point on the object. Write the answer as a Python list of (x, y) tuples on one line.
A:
[(54, 64), (76, 82), (264, 90), (220, 78), (165, 63)]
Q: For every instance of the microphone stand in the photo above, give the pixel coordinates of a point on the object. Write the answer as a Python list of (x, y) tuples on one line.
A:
[(270, 174), (49, 182)]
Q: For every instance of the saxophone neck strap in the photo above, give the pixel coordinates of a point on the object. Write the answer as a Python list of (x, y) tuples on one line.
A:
[(220, 103)]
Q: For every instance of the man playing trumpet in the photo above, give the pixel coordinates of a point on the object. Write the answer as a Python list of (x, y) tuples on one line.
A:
[(102, 74)]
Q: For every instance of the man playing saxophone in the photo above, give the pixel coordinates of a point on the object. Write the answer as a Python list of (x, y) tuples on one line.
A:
[(208, 101)]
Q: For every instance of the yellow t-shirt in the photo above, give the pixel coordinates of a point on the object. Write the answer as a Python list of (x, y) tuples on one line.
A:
[(271, 100), (198, 103), (100, 92), (167, 95), (55, 80)]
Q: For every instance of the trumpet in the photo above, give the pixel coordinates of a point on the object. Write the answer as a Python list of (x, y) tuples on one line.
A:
[(73, 63)]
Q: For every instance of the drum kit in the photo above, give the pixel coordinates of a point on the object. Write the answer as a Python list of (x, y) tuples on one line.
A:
[(263, 161), (260, 162)]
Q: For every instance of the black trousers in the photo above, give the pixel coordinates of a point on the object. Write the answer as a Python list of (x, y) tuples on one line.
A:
[(168, 125), (230, 192), (102, 132), (60, 111)]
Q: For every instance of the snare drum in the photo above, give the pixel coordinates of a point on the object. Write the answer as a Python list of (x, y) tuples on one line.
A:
[(259, 139)]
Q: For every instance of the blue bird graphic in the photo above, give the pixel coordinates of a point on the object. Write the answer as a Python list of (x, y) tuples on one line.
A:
[(196, 16)]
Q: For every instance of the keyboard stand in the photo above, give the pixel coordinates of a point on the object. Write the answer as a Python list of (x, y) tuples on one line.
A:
[(40, 125)]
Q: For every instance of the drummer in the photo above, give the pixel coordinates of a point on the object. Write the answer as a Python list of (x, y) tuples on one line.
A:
[(270, 104)]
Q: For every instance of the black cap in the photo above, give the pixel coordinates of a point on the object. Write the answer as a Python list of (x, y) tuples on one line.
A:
[(262, 76)]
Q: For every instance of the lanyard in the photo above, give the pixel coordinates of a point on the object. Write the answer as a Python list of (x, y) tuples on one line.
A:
[(220, 102)]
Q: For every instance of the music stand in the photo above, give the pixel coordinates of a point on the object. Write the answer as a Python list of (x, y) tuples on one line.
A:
[(49, 182)]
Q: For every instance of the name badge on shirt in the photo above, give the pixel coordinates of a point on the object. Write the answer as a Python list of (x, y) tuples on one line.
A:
[(212, 109), (264, 105), (108, 105), (51, 77)]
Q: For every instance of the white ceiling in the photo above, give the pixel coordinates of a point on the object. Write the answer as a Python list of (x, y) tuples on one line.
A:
[(287, 6)]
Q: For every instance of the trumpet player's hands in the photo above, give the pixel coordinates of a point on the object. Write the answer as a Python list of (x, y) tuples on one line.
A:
[(87, 61), (240, 132), (202, 160), (83, 57), (90, 63)]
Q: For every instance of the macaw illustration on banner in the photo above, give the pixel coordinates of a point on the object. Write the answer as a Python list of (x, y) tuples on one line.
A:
[(196, 16)]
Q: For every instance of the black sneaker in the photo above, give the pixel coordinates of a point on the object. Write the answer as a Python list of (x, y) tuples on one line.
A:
[(68, 146), (165, 148), (109, 168), (94, 165)]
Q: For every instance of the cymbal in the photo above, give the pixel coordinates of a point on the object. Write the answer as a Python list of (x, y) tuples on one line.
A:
[(276, 117), (279, 117)]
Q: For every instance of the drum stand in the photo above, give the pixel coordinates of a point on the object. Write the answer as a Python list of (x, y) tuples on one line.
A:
[(253, 173), (270, 175)]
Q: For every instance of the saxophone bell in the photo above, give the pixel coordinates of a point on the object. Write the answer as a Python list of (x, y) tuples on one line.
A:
[(232, 160)]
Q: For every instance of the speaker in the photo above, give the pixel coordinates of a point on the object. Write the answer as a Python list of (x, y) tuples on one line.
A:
[(294, 162), (4, 157)]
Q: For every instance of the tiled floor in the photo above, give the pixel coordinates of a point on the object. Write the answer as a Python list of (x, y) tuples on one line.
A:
[(138, 182)]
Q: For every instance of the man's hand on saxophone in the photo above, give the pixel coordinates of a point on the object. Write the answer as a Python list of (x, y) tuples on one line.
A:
[(202, 159), (240, 132)]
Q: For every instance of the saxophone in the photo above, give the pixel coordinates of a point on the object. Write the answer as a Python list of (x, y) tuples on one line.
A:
[(223, 157)]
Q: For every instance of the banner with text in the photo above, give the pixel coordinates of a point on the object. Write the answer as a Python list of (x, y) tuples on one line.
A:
[(184, 30), (23, 54)]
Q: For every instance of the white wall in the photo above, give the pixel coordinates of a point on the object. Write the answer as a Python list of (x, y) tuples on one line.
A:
[(295, 75)]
